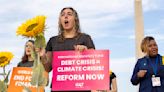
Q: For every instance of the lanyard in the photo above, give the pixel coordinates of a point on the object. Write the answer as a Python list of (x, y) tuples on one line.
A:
[(154, 66)]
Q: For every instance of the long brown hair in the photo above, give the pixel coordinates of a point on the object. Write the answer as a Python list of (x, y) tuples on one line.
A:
[(25, 57), (77, 24)]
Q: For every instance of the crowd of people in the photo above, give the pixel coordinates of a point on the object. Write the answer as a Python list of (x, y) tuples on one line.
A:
[(148, 71)]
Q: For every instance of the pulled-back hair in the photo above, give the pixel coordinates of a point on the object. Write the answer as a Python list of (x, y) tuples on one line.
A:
[(145, 42)]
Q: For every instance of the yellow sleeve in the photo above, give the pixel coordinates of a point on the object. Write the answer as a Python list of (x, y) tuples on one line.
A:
[(162, 60)]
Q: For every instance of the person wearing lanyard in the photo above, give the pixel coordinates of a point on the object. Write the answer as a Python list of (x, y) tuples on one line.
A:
[(149, 70)]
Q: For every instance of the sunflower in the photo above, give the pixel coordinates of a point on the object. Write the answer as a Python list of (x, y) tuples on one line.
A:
[(32, 27), (5, 58)]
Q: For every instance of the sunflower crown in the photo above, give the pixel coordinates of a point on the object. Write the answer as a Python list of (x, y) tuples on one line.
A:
[(5, 58), (32, 27)]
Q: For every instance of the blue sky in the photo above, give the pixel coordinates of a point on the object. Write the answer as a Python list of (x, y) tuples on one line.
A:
[(109, 22)]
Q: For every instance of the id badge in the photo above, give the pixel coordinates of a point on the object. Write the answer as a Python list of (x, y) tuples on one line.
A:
[(156, 81)]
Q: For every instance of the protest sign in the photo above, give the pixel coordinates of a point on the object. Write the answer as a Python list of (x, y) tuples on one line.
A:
[(21, 76), (74, 70)]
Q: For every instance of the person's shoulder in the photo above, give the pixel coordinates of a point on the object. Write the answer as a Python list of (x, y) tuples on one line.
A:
[(113, 74), (19, 64), (160, 55), (85, 35), (54, 37), (25, 64), (143, 58)]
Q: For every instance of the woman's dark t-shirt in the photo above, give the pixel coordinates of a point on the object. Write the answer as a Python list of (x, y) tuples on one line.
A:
[(68, 44), (25, 64)]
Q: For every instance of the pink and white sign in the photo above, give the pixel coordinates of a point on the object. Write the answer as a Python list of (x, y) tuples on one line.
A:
[(73, 70)]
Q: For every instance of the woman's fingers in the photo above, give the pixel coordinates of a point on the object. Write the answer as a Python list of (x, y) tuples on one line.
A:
[(80, 47)]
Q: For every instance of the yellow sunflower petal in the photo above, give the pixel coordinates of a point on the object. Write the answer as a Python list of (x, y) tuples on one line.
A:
[(32, 27), (5, 58)]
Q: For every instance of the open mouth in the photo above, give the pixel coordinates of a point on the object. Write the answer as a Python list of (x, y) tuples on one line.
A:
[(66, 22), (28, 51), (154, 51)]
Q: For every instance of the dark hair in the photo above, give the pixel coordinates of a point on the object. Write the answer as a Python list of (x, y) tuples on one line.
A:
[(77, 24), (145, 42), (25, 57)]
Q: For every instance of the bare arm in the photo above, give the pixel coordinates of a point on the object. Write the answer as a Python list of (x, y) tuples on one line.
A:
[(47, 61), (114, 85)]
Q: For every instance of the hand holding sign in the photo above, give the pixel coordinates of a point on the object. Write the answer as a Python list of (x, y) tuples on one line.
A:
[(80, 70)]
